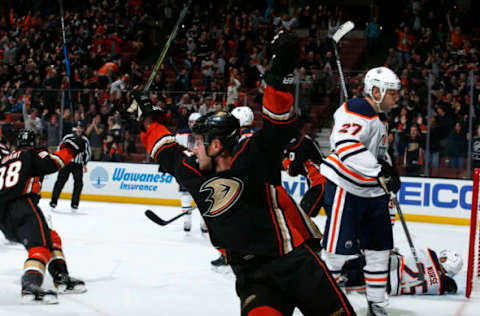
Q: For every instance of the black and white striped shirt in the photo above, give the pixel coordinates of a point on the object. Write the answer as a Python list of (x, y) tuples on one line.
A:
[(83, 157)]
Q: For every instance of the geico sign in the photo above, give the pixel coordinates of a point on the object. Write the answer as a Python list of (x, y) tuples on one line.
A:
[(444, 195)]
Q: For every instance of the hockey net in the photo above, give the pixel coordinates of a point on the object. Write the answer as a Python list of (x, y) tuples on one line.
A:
[(473, 268)]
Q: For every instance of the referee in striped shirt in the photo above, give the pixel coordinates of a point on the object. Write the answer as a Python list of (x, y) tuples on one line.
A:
[(77, 167)]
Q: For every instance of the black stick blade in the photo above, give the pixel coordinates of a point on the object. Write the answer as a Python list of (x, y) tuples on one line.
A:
[(154, 218)]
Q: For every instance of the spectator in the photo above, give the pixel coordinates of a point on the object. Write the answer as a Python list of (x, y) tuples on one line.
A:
[(457, 145), (96, 134), (232, 91), (32, 121), (413, 158), (53, 132), (112, 148), (372, 32), (405, 43)]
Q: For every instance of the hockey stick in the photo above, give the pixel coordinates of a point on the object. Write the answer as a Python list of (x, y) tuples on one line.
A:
[(421, 276), (134, 106), (157, 220), (341, 32), (166, 47)]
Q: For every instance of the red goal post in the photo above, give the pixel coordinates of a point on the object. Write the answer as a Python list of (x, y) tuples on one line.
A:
[(473, 268)]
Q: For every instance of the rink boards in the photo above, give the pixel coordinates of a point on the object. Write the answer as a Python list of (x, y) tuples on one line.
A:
[(432, 200)]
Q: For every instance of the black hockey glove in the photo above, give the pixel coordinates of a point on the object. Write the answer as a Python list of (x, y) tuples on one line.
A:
[(285, 55), (142, 107), (75, 144), (390, 174)]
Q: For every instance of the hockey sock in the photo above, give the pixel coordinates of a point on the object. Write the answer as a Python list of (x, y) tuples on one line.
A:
[(375, 272), (57, 262), (34, 266), (335, 263)]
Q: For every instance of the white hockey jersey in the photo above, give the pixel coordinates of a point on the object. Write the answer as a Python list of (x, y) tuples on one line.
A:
[(358, 140), (405, 272), (185, 138)]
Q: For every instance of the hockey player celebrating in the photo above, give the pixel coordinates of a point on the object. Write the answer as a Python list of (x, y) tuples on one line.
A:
[(187, 140), (249, 215), (356, 205), (244, 115), (403, 273), (22, 220)]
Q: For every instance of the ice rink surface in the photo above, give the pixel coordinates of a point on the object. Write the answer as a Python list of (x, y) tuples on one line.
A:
[(132, 266)]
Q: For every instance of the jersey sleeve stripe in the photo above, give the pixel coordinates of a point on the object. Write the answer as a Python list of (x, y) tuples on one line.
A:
[(346, 141), (274, 121), (343, 176), (163, 141), (350, 172), (275, 224), (356, 152), (339, 151), (164, 147), (278, 116), (58, 161), (277, 102)]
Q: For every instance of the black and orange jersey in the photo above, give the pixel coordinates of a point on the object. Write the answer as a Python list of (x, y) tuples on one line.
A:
[(21, 171), (302, 157), (246, 209)]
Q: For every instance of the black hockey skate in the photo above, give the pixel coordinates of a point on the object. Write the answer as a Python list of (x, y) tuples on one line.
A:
[(32, 293), (376, 309), (66, 284), (220, 262)]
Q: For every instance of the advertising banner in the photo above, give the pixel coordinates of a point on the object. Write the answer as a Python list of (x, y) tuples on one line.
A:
[(424, 199)]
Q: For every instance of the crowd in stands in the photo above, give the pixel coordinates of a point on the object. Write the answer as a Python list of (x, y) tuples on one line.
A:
[(432, 40), (216, 62)]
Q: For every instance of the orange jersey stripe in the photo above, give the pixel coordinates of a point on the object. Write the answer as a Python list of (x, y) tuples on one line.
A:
[(332, 282), (376, 279), (236, 155), (44, 240), (335, 221), (191, 168), (353, 174), (348, 147)]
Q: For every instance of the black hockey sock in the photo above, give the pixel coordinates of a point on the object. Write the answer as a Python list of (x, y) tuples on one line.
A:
[(57, 266)]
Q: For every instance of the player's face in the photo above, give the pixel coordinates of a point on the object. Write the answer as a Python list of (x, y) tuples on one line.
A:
[(390, 99), (205, 162)]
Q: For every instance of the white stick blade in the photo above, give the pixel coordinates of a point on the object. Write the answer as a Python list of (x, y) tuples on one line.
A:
[(342, 30)]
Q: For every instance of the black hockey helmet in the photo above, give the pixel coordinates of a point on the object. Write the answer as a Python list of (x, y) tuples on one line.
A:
[(25, 138), (221, 125)]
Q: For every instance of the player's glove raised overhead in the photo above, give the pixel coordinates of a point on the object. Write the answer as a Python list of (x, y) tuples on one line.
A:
[(390, 174), (75, 144), (285, 55), (142, 106)]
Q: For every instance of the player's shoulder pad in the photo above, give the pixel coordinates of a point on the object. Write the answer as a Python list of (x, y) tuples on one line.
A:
[(360, 107)]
